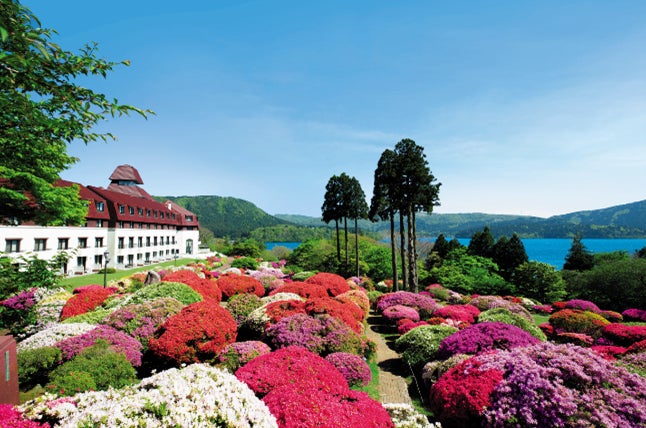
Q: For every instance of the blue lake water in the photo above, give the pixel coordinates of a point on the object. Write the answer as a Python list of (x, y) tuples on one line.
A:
[(552, 251)]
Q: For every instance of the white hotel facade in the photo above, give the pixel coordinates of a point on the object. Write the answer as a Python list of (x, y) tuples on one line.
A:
[(123, 221)]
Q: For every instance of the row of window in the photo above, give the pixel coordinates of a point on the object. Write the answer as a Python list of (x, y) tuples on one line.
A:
[(140, 212), (40, 244), (136, 225)]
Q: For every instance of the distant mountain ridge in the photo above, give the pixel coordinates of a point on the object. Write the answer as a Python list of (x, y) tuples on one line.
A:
[(233, 217)]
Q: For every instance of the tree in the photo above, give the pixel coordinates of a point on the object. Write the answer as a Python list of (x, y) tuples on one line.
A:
[(383, 204), (482, 243), (355, 207), (332, 208), (441, 246), (539, 281), (508, 254), (578, 257), (42, 109)]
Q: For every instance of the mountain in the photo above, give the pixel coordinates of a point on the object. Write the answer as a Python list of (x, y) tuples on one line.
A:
[(225, 216)]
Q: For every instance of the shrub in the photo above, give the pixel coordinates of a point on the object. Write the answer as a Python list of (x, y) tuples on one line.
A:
[(358, 297), (423, 304), (17, 311), (12, 418), (397, 312), (634, 314), (34, 365), (635, 363), (333, 283), (612, 316), (583, 305), (85, 301), (52, 335), (609, 353), (142, 320), (421, 344), (244, 263), (119, 342), (289, 367), (504, 315), (433, 370), (579, 339), (97, 367), (576, 321), (484, 337), (624, 335), (406, 416), (176, 290), (303, 289), (348, 312), (207, 288), (464, 313), (406, 325), (238, 354), (241, 305), (283, 308), (93, 317), (198, 333), (237, 284), (539, 385), (194, 396), (353, 367), (321, 334)]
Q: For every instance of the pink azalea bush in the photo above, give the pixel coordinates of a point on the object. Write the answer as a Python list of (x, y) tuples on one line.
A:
[(11, 417), (237, 354), (634, 314), (484, 337), (624, 335), (425, 305), (353, 367), (118, 341), (465, 313), (398, 312), (584, 305)]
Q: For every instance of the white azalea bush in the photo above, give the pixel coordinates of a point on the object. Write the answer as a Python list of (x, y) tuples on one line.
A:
[(54, 334), (405, 416), (197, 395)]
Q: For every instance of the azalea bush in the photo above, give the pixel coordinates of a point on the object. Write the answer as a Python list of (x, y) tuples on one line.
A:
[(236, 284), (334, 284), (406, 416), (118, 341), (405, 325), (198, 333), (241, 305), (634, 314), (142, 320), (540, 385), (577, 321), (347, 312), (194, 396), (465, 313), (484, 337), (54, 334), (354, 368), (11, 417), (584, 305), (303, 289), (504, 315), (206, 287), (398, 312), (34, 365), (624, 335), (358, 297), (238, 354), (425, 305), (421, 344), (176, 290), (86, 300), (321, 334)]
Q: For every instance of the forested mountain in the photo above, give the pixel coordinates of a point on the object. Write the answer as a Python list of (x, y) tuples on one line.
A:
[(226, 216)]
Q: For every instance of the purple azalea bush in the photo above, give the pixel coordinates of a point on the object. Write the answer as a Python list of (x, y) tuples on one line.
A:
[(237, 354), (424, 304), (483, 337), (353, 367), (118, 340), (634, 314), (22, 301), (584, 305)]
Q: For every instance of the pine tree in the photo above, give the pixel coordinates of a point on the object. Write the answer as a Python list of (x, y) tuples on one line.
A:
[(578, 257)]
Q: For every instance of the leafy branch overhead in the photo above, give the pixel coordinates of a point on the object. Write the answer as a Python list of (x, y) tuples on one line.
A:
[(42, 109)]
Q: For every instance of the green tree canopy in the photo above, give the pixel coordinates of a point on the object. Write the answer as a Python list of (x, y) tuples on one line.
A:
[(578, 257), (42, 109)]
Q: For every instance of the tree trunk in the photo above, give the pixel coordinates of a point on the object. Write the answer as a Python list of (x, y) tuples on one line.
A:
[(411, 249), (356, 244), (338, 242), (414, 255), (345, 228), (393, 252), (402, 249)]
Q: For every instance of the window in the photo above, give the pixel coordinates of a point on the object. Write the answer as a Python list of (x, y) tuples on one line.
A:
[(167, 240), (63, 243), (99, 223), (131, 242), (119, 260), (155, 213), (120, 244), (189, 218), (12, 246), (140, 242), (100, 206), (155, 241), (40, 244), (139, 256), (161, 214), (147, 213), (122, 209), (147, 241), (120, 225), (131, 210), (140, 211), (98, 260), (98, 242), (82, 242), (189, 246)]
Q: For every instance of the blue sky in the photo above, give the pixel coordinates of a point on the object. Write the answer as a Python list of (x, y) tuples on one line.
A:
[(522, 107)]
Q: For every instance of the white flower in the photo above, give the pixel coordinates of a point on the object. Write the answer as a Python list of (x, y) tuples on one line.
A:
[(51, 335), (405, 416)]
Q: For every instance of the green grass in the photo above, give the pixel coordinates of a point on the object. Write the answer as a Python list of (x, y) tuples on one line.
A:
[(97, 278), (372, 389), (540, 318)]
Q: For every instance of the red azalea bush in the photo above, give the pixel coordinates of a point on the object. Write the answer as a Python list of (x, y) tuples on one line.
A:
[(407, 325), (291, 367), (333, 283), (85, 301), (634, 314), (461, 394), (348, 312), (637, 347), (207, 288), (624, 335), (303, 289), (609, 353), (311, 407), (284, 308), (232, 284), (577, 321), (464, 313), (580, 339), (198, 333)]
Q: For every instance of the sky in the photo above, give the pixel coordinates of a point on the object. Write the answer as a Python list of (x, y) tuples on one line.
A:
[(522, 107)]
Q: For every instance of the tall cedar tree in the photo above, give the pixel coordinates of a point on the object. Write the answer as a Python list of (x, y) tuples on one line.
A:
[(578, 257), (481, 243), (383, 204), (355, 208), (508, 254), (332, 208), (42, 109)]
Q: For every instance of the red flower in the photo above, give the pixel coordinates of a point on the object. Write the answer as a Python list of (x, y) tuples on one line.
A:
[(348, 312), (303, 289), (207, 288), (333, 283), (284, 308), (238, 284), (88, 299), (623, 334), (198, 333)]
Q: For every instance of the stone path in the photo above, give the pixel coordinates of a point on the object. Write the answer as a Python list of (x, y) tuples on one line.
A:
[(392, 383)]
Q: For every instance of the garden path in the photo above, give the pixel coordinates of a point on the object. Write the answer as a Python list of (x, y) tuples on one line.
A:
[(393, 387)]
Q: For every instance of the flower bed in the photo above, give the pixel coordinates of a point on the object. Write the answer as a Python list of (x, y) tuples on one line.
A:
[(303, 289), (484, 337), (334, 284), (353, 367), (425, 305), (85, 301), (236, 284), (118, 341)]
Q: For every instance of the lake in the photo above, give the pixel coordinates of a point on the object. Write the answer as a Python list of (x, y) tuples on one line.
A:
[(551, 251)]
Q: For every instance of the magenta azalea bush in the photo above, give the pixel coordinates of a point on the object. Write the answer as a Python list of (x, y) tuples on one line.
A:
[(321, 334), (353, 367), (11, 417), (397, 312), (118, 341), (584, 305), (483, 337), (634, 314), (543, 385), (425, 305)]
